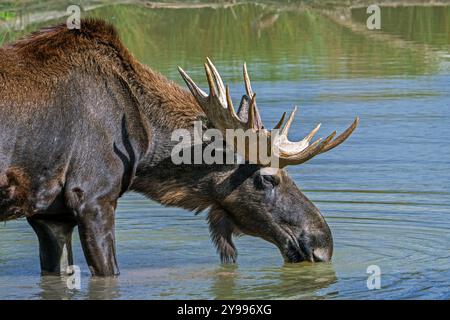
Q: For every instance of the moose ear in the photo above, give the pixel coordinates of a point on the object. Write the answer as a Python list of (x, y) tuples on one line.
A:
[(221, 230)]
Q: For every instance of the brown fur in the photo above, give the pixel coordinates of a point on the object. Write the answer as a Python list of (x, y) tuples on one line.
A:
[(173, 193), (40, 62), (14, 191)]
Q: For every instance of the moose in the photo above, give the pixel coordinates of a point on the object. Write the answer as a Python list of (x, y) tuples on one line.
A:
[(82, 122)]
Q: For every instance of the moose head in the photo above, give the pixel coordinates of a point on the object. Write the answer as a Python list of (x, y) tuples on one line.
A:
[(260, 199)]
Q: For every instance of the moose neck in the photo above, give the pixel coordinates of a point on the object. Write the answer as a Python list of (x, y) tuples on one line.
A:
[(165, 104), (189, 186), (167, 107)]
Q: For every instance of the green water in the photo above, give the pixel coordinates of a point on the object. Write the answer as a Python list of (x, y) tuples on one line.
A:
[(385, 192)]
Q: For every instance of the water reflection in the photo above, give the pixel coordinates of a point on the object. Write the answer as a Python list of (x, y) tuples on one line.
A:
[(289, 39), (103, 288), (56, 288), (224, 283), (264, 21), (420, 24), (292, 281)]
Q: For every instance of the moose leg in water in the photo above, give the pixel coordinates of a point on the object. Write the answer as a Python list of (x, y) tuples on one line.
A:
[(55, 242)]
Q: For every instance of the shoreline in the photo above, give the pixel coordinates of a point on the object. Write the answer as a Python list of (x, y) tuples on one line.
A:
[(24, 15)]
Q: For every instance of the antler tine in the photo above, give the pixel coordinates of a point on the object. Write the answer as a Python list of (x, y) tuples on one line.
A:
[(251, 112), (309, 137), (289, 148), (217, 80), (342, 137), (285, 130), (280, 122), (198, 93), (230, 103), (243, 110), (209, 77), (248, 87), (308, 153)]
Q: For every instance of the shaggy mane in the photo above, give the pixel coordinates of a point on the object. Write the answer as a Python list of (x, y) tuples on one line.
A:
[(45, 58), (60, 36)]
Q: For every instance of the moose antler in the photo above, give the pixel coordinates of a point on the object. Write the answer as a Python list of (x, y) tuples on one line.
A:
[(243, 109), (219, 110)]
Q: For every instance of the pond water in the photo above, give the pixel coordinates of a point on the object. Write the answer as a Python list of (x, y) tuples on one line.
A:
[(385, 192)]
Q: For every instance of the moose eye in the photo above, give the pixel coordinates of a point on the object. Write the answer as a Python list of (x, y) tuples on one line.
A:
[(266, 181)]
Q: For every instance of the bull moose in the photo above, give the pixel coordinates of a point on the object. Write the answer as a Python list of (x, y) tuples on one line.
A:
[(82, 122)]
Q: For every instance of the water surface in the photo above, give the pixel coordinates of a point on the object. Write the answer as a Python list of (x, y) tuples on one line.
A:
[(385, 192)]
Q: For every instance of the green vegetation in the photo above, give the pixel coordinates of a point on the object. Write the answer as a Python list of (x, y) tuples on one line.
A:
[(428, 25), (164, 38), (7, 15)]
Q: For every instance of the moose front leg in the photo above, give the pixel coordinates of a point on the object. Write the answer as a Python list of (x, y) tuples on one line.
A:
[(55, 242), (96, 229)]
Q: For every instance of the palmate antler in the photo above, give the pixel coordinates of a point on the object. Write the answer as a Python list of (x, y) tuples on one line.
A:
[(219, 110)]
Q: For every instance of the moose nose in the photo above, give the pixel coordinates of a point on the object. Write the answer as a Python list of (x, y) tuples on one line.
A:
[(322, 254), (321, 246)]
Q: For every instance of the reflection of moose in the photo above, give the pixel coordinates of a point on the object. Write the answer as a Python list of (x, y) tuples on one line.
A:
[(264, 22), (82, 122), (287, 282)]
